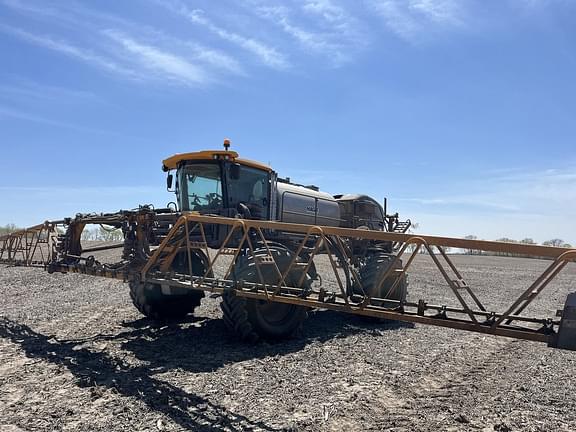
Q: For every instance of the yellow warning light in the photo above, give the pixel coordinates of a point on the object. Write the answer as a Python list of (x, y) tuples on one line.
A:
[(226, 143)]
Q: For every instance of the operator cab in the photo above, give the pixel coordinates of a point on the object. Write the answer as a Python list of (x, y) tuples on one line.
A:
[(218, 182)]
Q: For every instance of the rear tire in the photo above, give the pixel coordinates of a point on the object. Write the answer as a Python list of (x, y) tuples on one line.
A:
[(371, 274), (253, 319), (150, 301)]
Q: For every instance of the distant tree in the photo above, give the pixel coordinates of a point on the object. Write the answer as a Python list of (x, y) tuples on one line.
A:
[(90, 234), (8, 228), (102, 233), (414, 226), (554, 242), (506, 240), (567, 245), (110, 234)]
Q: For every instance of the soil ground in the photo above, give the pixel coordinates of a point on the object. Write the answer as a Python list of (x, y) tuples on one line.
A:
[(75, 355)]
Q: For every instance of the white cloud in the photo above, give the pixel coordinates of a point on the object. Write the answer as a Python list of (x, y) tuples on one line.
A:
[(191, 49), (440, 11), (314, 41), (328, 11), (216, 58), (320, 27), (270, 56), (340, 21), (396, 18), (70, 50), (92, 22), (166, 65), (410, 19)]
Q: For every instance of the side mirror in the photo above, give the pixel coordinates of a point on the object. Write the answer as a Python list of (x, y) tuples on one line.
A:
[(235, 171), (169, 181)]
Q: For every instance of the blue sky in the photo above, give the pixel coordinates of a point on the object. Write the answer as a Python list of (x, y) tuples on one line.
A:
[(462, 113)]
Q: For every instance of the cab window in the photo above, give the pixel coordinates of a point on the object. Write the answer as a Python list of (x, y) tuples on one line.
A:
[(200, 187), (251, 187)]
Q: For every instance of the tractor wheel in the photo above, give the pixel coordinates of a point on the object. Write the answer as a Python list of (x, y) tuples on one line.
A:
[(371, 274), (252, 319), (153, 303)]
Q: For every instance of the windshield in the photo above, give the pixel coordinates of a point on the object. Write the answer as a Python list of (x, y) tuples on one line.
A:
[(251, 188), (200, 187)]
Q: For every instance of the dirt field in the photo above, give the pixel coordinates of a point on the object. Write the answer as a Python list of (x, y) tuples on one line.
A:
[(76, 356)]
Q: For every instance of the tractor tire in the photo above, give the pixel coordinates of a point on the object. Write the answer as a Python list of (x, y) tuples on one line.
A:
[(151, 302), (371, 274), (253, 320), (154, 304)]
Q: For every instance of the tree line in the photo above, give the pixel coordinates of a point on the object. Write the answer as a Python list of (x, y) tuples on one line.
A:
[(555, 242), (99, 233), (7, 229), (102, 233)]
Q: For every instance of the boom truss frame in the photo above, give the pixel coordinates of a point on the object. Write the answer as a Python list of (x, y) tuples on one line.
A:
[(187, 233)]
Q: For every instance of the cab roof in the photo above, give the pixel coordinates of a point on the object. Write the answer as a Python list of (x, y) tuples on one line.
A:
[(173, 161)]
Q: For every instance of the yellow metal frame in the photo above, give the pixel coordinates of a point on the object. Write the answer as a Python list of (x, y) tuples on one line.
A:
[(188, 234), (470, 315), (31, 247)]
